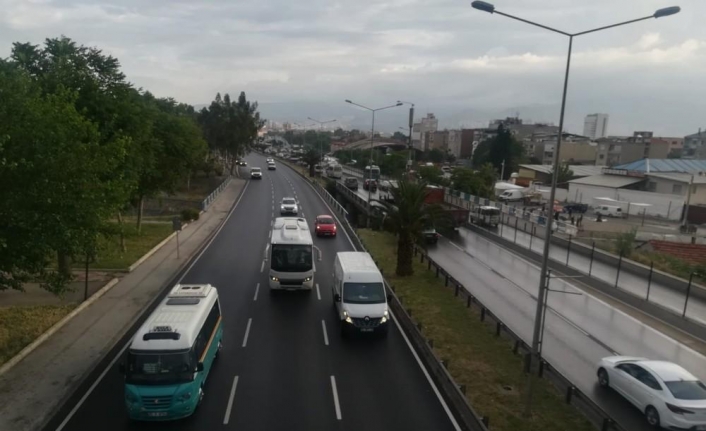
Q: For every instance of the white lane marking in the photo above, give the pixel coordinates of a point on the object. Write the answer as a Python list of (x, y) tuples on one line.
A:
[(122, 351), (247, 332), (335, 398), (257, 290), (318, 292), (269, 235), (230, 401), (411, 349), (323, 326), (262, 267)]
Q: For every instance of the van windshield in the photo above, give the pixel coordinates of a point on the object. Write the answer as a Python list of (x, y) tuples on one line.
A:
[(163, 368), (363, 293)]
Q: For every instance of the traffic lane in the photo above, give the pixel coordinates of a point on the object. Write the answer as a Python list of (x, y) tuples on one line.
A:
[(659, 293), (380, 384), (618, 331), (566, 347), (220, 264)]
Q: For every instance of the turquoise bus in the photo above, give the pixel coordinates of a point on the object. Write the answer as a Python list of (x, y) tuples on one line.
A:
[(171, 355)]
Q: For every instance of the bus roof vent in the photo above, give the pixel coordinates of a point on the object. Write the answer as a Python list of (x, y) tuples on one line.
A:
[(162, 332), (190, 291)]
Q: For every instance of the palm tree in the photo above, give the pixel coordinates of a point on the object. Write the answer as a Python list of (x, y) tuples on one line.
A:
[(311, 157), (408, 217)]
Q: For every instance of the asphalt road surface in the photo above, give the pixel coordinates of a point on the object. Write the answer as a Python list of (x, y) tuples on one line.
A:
[(579, 329), (283, 364)]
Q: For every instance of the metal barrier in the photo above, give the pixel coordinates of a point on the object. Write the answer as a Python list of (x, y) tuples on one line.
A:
[(573, 397), (214, 194)]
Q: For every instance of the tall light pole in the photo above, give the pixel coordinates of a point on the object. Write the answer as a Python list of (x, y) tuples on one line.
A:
[(372, 145), (487, 7), (321, 124), (411, 123)]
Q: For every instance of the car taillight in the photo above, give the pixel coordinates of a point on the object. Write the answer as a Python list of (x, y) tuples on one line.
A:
[(679, 410), (334, 227), (318, 227)]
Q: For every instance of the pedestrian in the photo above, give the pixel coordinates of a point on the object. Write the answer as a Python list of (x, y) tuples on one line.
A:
[(572, 220), (556, 215), (580, 220), (569, 212)]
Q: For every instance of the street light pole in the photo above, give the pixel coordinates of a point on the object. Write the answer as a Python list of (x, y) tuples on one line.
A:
[(321, 124), (487, 7), (411, 123), (372, 145)]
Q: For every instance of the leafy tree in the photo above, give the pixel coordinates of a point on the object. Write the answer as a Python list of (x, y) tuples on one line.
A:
[(625, 242), (400, 136), (311, 157), (435, 155), (60, 183), (479, 183), (408, 217), (431, 174), (565, 173), (502, 148)]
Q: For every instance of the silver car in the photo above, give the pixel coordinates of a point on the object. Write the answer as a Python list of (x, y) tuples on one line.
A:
[(289, 206)]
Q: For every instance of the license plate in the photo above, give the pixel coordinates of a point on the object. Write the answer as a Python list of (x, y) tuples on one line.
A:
[(366, 329), (156, 414)]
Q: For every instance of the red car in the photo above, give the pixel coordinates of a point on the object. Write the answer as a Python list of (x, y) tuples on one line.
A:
[(325, 225)]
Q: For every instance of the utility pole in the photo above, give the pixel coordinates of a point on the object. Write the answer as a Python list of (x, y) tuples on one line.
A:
[(685, 222)]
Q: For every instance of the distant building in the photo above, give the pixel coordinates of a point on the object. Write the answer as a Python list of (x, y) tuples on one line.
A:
[(420, 132), (574, 148), (675, 145), (454, 143), (615, 150), (543, 173), (595, 126), (694, 146), (470, 138)]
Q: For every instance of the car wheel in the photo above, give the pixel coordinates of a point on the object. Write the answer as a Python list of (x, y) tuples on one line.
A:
[(652, 416), (603, 379)]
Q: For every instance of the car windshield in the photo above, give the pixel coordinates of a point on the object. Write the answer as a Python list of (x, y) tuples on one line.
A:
[(164, 368), (288, 202), (325, 220), (363, 293), (255, 169), (291, 258), (687, 390)]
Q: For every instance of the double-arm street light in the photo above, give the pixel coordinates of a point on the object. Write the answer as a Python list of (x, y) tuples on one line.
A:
[(321, 124), (487, 7), (411, 123), (372, 144)]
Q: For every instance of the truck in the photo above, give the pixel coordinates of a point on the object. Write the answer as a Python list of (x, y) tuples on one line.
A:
[(456, 215)]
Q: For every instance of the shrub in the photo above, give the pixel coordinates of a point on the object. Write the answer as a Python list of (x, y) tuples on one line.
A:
[(625, 242), (219, 169), (189, 214)]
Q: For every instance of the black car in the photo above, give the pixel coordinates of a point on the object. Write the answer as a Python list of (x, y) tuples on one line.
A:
[(242, 163), (430, 235), (351, 183)]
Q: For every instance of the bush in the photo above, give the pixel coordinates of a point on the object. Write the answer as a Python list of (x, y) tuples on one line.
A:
[(219, 169), (625, 242), (189, 214)]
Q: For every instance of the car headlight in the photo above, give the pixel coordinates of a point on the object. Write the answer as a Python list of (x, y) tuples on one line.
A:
[(348, 318), (274, 278)]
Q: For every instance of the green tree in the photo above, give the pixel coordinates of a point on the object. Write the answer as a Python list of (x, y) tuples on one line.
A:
[(60, 183), (408, 217), (502, 148), (311, 157), (431, 174), (625, 242), (436, 156), (400, 137), (565, 174)]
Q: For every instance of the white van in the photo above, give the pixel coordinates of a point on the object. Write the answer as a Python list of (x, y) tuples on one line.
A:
[(610, 211), (359, 294), (511, 195)]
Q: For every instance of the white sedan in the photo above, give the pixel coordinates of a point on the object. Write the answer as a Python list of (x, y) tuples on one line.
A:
[(667, 394)]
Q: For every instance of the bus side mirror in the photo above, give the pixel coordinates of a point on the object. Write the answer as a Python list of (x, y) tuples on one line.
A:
[(337, 297), (121, 368), (199, 366)]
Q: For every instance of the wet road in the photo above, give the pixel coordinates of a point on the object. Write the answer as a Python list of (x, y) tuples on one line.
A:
[(579, 330), (637, 285), (283, 364)]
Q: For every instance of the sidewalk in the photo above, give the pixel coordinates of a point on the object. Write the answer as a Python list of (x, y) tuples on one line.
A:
[(31, 391)]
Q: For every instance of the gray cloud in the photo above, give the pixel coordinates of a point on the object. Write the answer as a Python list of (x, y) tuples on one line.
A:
[(303, 58)]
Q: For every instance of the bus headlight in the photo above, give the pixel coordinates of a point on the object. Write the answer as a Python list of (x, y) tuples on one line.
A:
[(183, 397), (274, 278)]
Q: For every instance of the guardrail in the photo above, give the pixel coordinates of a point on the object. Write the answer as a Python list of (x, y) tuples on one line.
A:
[(352, 195), (453, 394), (573, 396), (214, 194)]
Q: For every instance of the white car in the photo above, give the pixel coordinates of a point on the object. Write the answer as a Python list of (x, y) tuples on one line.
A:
[(256, 173), (667, 394), (289, 206), (270, 160), (271, 166)]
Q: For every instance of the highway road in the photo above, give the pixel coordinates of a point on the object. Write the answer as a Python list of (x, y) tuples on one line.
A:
[(659, 293), (283, 364), (579, 329)]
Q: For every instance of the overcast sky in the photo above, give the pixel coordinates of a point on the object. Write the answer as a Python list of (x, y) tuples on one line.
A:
[(304, 58)]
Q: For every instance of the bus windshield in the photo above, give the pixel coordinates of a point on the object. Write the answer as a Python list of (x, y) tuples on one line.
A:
[(291, 258), (490, 211), (159, 368)]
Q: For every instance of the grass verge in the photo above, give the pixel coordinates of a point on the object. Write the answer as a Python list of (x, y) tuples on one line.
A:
[(137, 245), (477, 358), (19, 326)]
